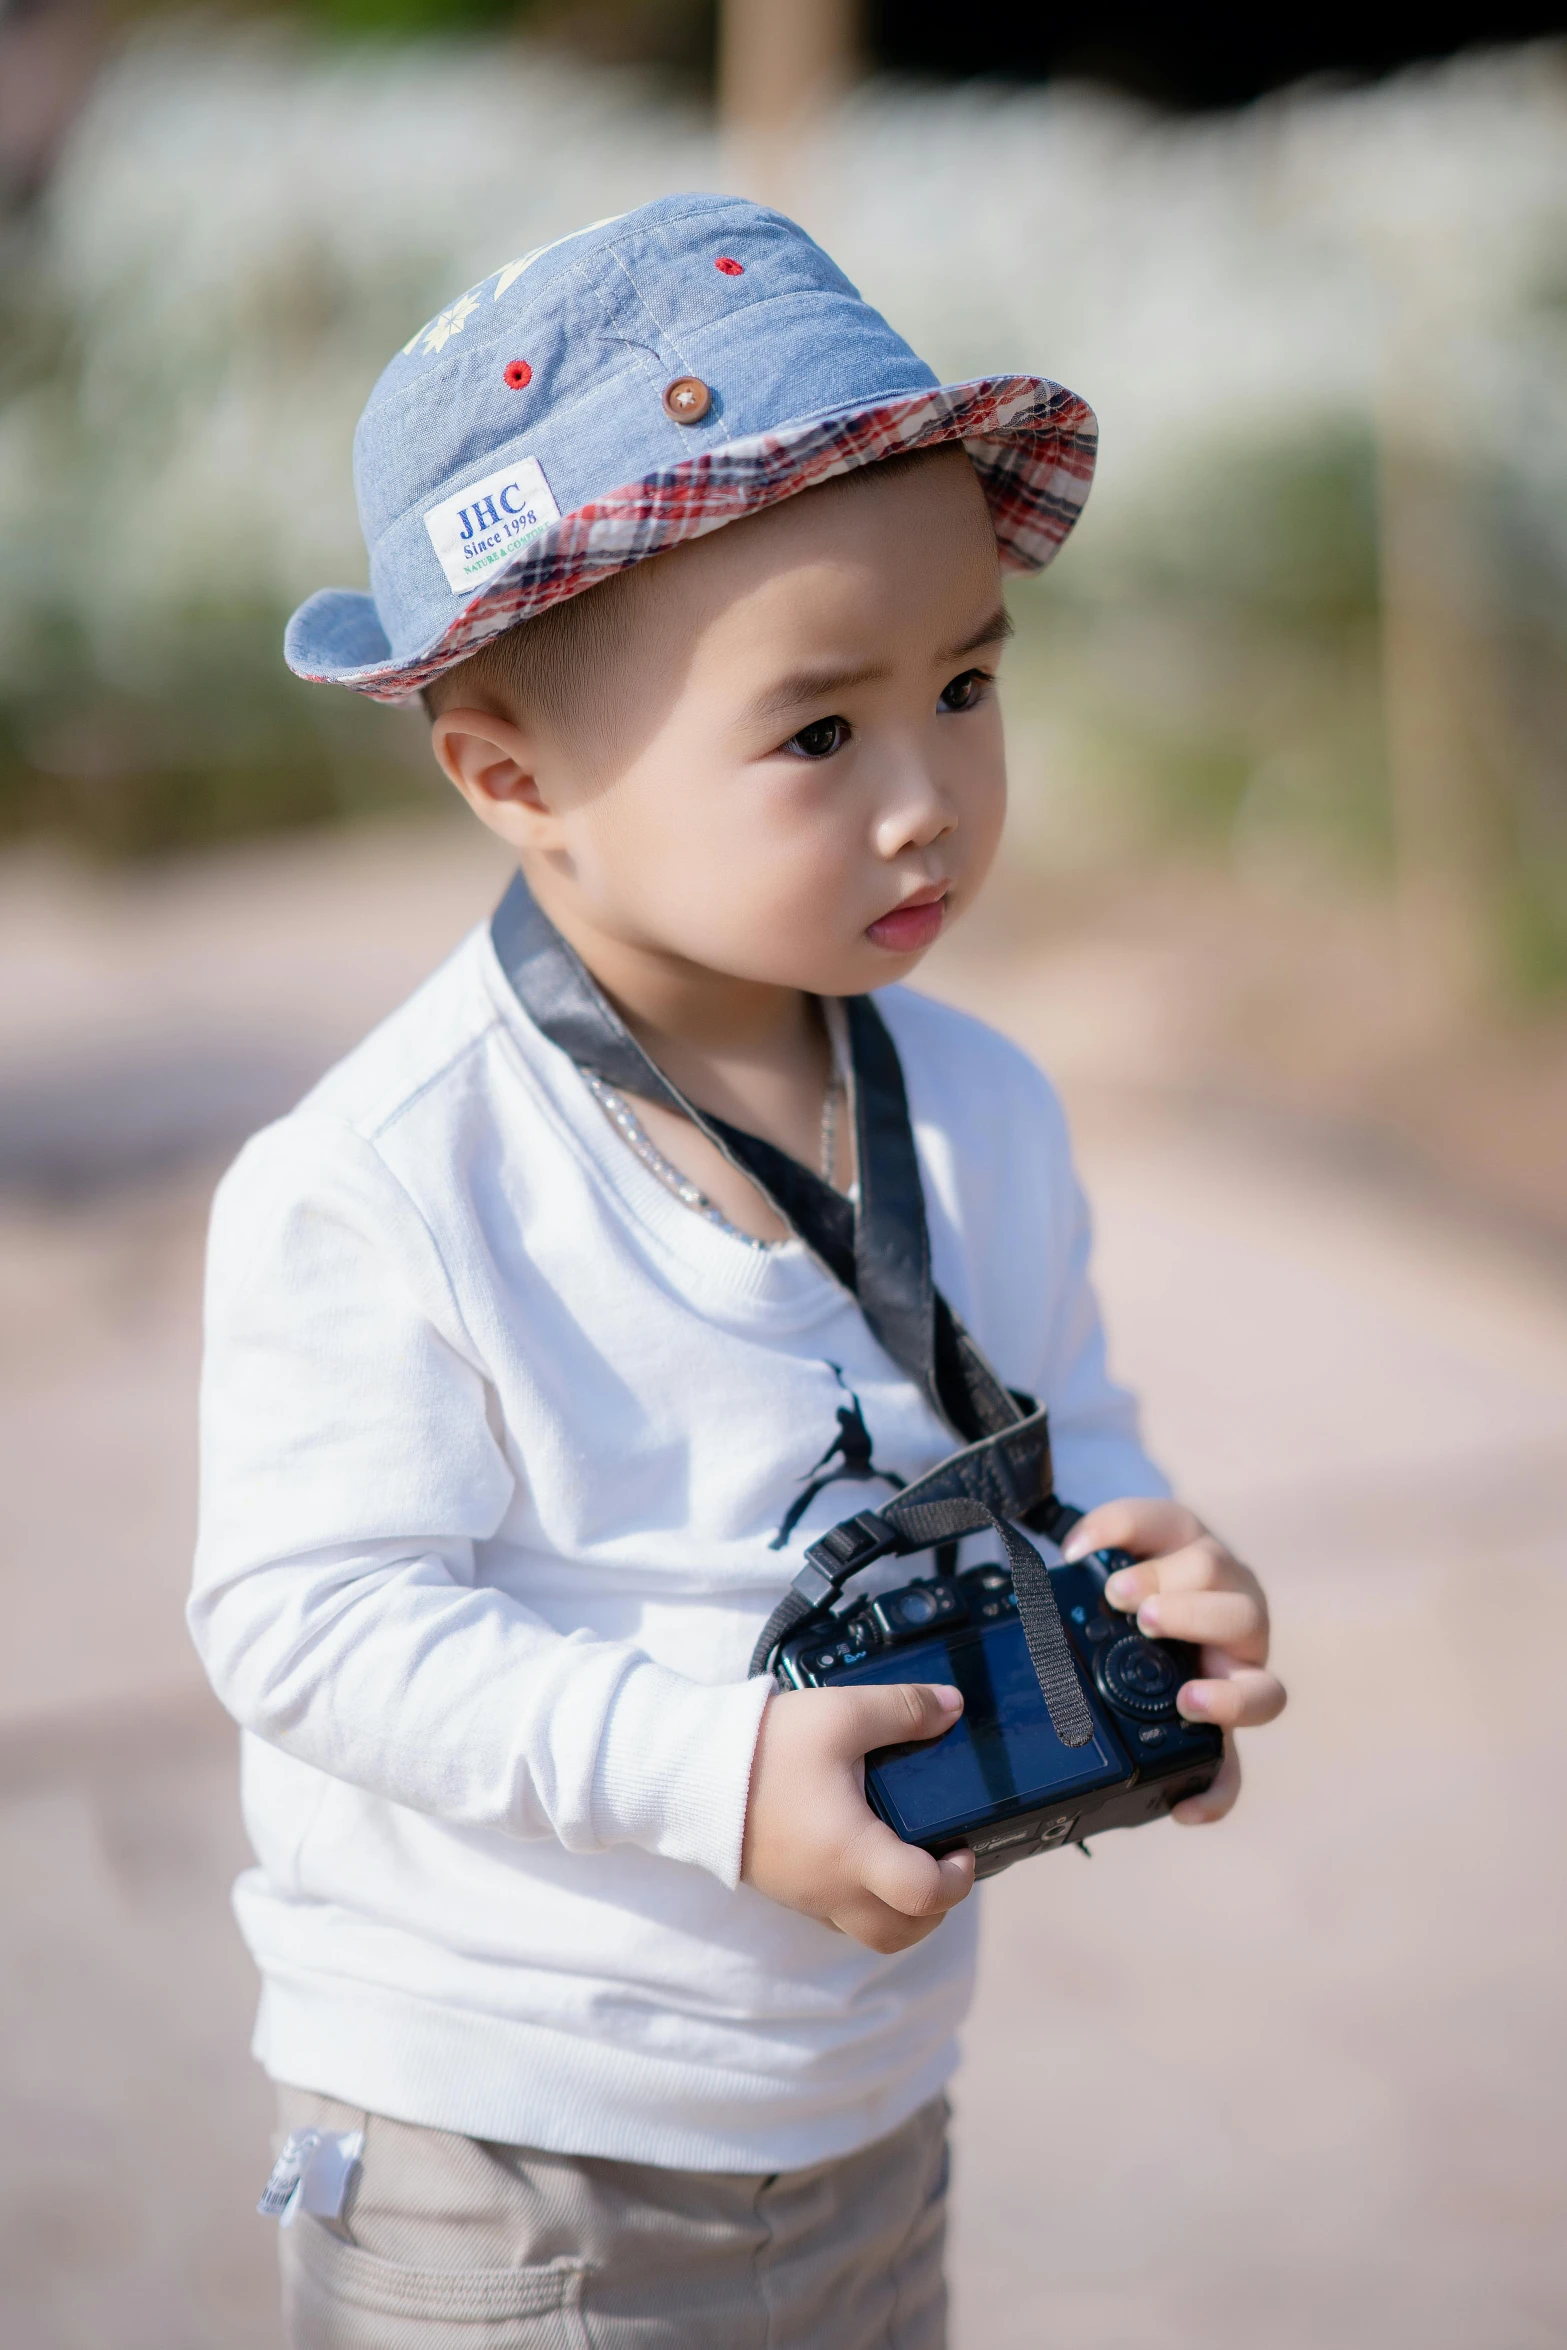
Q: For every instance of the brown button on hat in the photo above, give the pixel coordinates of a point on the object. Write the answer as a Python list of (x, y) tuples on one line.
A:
[(687, 399)]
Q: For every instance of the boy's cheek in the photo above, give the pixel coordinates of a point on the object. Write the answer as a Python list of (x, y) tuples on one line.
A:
[(776, 884), (740, 900)]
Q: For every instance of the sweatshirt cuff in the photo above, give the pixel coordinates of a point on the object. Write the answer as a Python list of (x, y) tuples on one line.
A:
[(674, 1767)]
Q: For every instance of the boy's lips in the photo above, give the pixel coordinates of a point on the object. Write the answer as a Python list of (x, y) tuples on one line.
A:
[(914, 924)]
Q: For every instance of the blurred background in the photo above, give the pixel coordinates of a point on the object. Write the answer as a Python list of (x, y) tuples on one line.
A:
[(1284, 910)]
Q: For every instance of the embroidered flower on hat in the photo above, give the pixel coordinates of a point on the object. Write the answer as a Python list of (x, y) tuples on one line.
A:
[(729, 265), (518, 374), (451, 322), (513, 270)]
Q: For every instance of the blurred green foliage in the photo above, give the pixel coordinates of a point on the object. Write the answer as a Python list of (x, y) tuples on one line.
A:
[(679, 36), (212, 741), (1206, 671), (136, 732), (1533, 927), (411, 19), (1285, 531)]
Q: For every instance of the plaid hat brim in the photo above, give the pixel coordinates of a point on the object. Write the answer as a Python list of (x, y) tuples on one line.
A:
[(1032, 443)]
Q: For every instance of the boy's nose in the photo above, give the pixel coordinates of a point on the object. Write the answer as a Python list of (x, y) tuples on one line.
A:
[(917, 814)]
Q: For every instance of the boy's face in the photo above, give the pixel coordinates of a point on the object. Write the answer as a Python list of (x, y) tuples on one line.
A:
[(792, 770)]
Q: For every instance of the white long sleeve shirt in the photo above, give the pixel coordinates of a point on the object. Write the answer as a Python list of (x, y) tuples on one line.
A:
[(497, 1435)]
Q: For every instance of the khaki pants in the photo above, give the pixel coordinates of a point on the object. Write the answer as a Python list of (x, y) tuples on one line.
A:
[(450, 2243)]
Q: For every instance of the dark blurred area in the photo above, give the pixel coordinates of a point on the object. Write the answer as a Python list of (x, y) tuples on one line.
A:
[(1218, 58), (1188, 59)]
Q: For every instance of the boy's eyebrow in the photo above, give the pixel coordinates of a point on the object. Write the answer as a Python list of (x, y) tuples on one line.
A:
[(995, 631), (810, 685), (813, 685)]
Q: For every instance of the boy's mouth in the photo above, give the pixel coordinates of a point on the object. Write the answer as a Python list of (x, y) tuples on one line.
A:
[(913, 925)]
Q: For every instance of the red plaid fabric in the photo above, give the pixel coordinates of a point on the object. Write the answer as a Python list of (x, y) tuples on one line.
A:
[(1032, 444)]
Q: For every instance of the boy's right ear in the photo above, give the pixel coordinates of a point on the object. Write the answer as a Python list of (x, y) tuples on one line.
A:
[(493, 764)]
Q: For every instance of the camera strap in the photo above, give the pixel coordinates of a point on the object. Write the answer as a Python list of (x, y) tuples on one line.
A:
[(878, 1249)]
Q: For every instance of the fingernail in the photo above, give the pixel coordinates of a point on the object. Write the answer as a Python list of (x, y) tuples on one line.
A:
[(1148, 1615), (1193, 1699), (1121, 1589), (949, 1699), (1076, 1546)]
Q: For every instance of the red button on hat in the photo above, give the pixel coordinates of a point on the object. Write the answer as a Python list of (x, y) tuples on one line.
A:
[(518, 374), (687, 399), (729, 265)]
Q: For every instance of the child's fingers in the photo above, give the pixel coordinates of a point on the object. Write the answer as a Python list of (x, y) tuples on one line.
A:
[(891, 1715), (1231, 1620), (908, 1879), (1204, 1565), (1145, 1528), (1212, 1804), (1240, 1698), (886, 1930)]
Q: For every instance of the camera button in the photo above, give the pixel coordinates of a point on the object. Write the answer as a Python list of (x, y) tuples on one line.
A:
[(1138, 1676)]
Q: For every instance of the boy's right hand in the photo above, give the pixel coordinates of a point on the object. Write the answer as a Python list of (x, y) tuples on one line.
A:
[(811, 1839)]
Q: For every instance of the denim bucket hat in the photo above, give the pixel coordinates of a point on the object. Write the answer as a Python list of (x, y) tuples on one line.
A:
[(629, 387)]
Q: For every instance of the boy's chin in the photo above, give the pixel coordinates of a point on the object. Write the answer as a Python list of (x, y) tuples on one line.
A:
[(840, 967), (865, 967)]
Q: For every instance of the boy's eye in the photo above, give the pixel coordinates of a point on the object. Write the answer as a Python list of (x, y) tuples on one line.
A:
[(820, 739), (965, 691)]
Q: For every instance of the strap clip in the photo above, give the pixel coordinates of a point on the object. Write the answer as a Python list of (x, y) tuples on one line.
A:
[(842, 1551)]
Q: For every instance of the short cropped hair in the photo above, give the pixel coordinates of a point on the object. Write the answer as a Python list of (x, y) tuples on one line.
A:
[(536, 668)]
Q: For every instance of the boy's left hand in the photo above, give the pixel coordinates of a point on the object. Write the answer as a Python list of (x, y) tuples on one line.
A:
[(1188, 1585)]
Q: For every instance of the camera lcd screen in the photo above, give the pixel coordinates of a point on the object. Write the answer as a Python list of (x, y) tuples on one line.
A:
[(1002, 1752)]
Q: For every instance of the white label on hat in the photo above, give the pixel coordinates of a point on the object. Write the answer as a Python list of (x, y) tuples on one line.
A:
[(489, 522)]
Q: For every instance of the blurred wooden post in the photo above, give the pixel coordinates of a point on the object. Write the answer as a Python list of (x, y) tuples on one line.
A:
[(783, 65), (1439, 860), (1441, 703)]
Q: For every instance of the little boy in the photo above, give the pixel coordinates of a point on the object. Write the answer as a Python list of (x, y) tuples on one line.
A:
[(557, 1323)]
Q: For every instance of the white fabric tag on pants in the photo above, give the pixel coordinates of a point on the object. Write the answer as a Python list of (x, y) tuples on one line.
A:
[(483, 526), (311, 2174)]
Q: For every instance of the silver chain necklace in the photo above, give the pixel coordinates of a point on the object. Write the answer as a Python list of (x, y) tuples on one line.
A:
[(640, 1143), (827, 1148), (637, 1140)]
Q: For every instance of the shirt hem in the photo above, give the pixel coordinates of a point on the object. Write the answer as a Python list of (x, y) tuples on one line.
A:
[(524, 2084)]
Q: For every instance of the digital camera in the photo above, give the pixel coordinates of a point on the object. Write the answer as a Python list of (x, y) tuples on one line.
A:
[(1000, 1780)]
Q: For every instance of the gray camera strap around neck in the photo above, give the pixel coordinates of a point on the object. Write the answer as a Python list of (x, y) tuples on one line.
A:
[(877, 1248)]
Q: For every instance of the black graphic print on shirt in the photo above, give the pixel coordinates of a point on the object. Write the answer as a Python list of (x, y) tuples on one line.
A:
[(851, 1448)]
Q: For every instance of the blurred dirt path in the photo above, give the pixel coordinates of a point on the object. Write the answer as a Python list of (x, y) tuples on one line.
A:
[(1293, 2080)]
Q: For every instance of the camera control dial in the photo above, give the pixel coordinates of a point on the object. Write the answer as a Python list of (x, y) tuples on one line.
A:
[(1139, 1676)]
